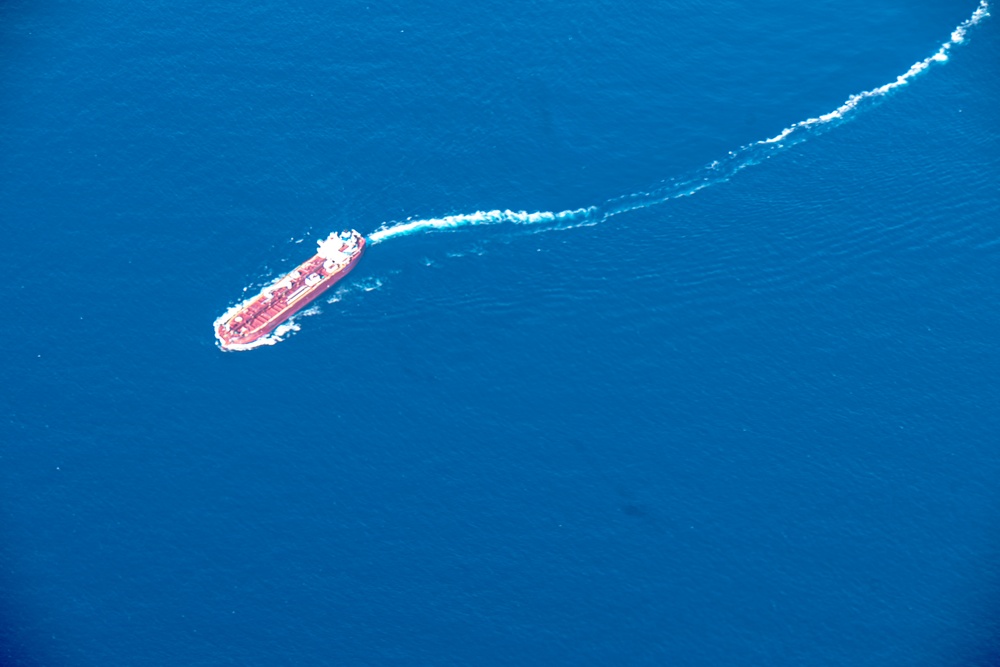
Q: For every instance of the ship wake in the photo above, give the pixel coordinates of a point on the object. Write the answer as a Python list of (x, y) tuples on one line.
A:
[(715, 173)]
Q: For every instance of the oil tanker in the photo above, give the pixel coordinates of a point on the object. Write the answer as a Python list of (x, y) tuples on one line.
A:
[(252, 323)]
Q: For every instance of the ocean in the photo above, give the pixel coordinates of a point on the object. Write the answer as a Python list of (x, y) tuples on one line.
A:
[(675, 342)]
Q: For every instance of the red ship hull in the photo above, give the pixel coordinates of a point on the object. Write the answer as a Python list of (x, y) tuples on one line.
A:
[(252, 322)]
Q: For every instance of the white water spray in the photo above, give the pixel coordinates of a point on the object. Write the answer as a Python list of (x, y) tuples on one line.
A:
[(714, 173), (477, 218)]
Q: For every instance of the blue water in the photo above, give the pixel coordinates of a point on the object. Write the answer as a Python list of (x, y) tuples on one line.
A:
[(742, 409)]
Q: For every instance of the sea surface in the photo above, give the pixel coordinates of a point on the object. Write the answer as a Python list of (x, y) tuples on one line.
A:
[(676, 342)]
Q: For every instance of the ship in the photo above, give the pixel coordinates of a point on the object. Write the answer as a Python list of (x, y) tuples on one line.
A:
[(253, 322)]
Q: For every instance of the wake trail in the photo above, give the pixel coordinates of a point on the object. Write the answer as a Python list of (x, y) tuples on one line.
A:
[(717, 172)]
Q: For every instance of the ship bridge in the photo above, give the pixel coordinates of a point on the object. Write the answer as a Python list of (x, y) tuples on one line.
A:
[(336, 249)]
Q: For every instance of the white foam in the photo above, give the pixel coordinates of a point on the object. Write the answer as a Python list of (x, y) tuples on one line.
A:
[(477, 218), (717, 172), (310, 311), (941, 55), (260, 342), (369, 284)]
